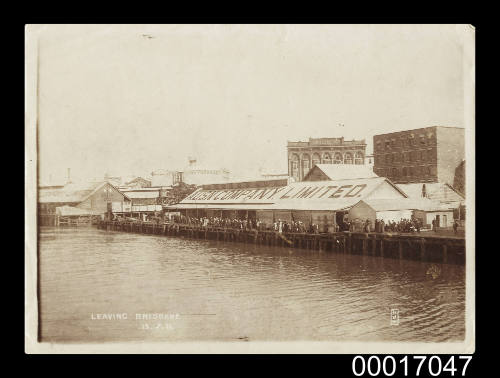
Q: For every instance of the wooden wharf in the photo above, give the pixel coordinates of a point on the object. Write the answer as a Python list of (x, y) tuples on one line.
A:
[(420, 247)]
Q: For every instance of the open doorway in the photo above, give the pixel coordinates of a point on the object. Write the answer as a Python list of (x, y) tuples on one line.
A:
[(341, 219)]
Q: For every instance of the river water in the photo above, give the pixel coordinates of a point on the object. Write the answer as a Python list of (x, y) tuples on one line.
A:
[(101, 285)]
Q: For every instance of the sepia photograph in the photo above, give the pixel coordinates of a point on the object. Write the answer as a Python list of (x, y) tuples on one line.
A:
[(272, 188)]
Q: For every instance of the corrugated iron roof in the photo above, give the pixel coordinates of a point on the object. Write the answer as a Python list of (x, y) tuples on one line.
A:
[(404, 204), (318, 195), (343, 171), (135, 194), (72, 193), (442, 192)]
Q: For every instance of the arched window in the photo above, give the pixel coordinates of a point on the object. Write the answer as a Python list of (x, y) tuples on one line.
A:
[(348, 158), (359, 159), (316, 159), (306, 163), (295, 166), (327, 159), (338, 158)]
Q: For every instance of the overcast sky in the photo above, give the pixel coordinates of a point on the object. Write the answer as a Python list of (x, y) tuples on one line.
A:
[(132, 99)]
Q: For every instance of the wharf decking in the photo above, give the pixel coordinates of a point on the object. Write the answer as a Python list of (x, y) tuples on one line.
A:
[(428, 248)]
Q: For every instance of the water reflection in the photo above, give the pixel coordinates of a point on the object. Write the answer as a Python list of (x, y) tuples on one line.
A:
[(232, 291)]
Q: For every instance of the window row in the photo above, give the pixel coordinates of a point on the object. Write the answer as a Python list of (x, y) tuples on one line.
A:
[(407, 171), (398, 157), (337, 158), (411, 140)]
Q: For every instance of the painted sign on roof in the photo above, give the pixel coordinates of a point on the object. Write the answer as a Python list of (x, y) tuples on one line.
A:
[(317, 195)]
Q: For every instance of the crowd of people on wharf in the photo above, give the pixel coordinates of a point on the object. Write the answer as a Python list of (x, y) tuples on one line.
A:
[(296, 226)]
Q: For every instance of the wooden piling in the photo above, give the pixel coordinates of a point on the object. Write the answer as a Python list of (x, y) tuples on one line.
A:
[(422, 249)]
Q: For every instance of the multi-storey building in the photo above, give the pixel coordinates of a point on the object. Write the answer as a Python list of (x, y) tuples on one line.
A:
[(430, 154), (302, 156)]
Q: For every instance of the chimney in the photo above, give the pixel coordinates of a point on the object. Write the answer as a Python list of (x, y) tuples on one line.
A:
[(69, 176)]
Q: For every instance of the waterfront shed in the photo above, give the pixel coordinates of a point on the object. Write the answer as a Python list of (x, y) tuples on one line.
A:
[(403, 208), (325, 203), (93, 197)]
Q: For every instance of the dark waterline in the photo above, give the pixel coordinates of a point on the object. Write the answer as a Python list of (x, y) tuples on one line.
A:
[(209, 290)]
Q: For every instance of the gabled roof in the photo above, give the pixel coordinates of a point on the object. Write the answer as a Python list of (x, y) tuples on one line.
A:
[(73, 193), (304, 195), (403, 204), (137, 179), (341, 171), (435, 191), (135, 194)]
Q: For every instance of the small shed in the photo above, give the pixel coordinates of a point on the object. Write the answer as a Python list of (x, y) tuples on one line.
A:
[(401, 208)]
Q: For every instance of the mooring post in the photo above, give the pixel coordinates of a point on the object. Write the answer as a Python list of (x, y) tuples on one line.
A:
[(400, 249), (382, 247), (445, 253), (374, 244)]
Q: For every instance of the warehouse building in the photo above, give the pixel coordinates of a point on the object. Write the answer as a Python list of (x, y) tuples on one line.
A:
[(144, 201), (325, 203), (94, 198)]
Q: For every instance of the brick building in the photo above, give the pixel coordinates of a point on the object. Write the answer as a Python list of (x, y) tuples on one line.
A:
[(429, 154), (302, 156)]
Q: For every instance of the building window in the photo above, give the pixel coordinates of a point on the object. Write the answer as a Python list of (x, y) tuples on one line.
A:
[(338, 158), (422, 139), (405, 171), (327, 159), (387, 158), (413, 155), (305, 164), (411, 140), (295, 166), (379, 146), (428, 170), (359, 158), (348, 158), (316, 159), (395, 172)]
